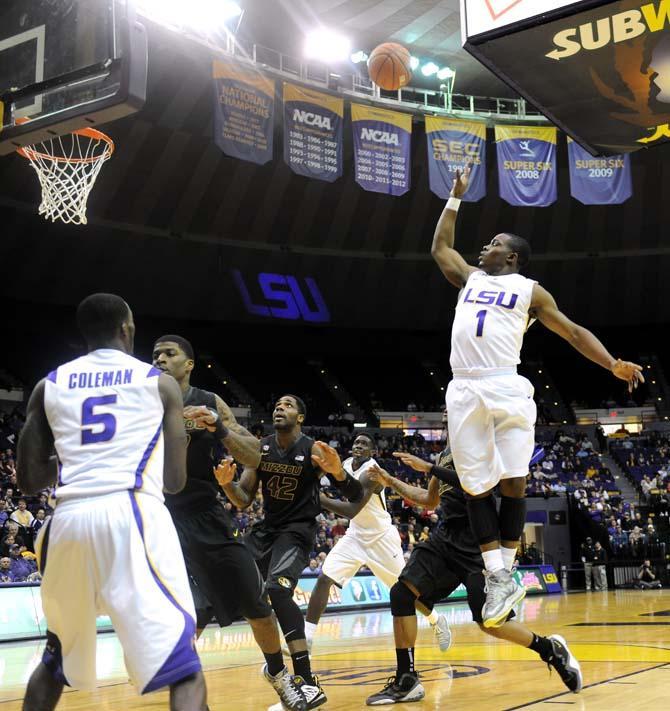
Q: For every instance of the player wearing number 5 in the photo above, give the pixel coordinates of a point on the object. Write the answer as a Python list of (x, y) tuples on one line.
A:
[(491, 408), (111, 547), (289, 473)]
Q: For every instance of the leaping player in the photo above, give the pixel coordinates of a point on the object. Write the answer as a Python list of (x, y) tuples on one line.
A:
[(492, 411), (371, 540)]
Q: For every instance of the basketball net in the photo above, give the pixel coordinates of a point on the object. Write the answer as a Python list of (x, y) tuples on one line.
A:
[(67, 167)]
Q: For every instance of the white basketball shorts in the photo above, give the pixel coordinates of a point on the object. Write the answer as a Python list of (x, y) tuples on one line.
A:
[(491, 429), (117, 555), (383, 556)]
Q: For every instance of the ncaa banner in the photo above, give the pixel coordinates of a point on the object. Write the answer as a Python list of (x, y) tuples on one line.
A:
[(243, 112), (527, 165), (382, 149), (452, 145), (598, 181), (313, 133)]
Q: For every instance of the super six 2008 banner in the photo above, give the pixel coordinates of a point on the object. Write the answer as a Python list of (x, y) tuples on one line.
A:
[(243, 112)]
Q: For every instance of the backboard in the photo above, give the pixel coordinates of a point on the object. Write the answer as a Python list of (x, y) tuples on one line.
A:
[(67, 64)]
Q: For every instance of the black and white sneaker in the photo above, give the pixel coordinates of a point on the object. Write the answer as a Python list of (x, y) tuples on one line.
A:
[(287, 688), (313, 693), (409, 688), (564, 663)]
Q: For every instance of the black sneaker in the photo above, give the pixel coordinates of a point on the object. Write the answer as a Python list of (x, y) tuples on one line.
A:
[(409, 688), (287, 688), (313, 692), (564, 663)]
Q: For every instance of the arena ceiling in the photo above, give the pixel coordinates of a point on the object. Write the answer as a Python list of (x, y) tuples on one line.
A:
[(170, 208)]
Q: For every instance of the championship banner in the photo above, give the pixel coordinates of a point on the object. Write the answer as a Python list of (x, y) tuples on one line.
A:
[(313, 133), (527, 165), (452, 145), (598, 181), (243, 112), (382, 149)]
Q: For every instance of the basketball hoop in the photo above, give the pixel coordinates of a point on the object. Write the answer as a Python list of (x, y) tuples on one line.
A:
[(67, 167)]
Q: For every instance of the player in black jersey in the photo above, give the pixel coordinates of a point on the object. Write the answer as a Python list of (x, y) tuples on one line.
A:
[(451, 556), (219, 563), (289, 473)]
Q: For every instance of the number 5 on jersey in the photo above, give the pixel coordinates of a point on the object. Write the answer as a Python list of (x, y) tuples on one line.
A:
[(91, 421)]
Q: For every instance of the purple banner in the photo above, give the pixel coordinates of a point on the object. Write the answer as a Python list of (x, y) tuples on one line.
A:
[(598, 181), (382, 149)]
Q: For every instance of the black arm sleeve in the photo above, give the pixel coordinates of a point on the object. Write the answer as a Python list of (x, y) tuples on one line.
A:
[(350, 488), (448, 476)]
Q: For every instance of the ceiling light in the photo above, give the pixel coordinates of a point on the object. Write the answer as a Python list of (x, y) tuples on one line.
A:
[(429, 69), (414, 62), (200, 15), (359, 57), (446, 73), (327, 46)]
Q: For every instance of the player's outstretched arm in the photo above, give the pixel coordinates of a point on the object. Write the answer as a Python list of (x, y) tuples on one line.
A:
[(428, 498), (174, 434), (241, 444), (36, 466), (544, 308), (240, 493), (451, 263), (349, 509)]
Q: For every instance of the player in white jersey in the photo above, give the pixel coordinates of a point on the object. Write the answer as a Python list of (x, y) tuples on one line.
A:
[(491, 408), (110, 548), (371, 540)]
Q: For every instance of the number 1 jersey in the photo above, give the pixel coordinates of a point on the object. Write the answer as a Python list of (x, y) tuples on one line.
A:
[(106, 415), (490, 322)]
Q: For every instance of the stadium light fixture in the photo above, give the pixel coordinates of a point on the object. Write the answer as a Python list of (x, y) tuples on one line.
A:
[(446, 73), (359, 57), (429, 69), (327, 46), (201, 15), (414, 63)]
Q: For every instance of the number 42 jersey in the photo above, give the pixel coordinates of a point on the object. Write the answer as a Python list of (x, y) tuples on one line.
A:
[(490, 322), (106, 415)]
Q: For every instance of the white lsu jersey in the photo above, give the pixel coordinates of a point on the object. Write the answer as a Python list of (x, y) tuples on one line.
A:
[(373, 519), (106, 415), (490, 322)]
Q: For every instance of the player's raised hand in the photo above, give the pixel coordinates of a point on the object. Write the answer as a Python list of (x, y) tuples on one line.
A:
[(461, 181), (415, 463), (203, 417), (381, 476), (630, 372), (225, 471), (328, 460)]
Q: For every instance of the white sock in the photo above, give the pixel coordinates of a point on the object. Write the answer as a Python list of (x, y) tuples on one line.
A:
[(508, 556), (433, 617), (310, 629), (493, 560)]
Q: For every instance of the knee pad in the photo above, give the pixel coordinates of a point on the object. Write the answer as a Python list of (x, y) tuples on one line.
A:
[(512, 518), (484, 519), (402, 601), (289, 616)]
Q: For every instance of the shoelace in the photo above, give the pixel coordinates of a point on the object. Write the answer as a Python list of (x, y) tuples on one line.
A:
[(290, 690)]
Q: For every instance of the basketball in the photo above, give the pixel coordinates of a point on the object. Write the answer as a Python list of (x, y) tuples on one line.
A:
[(389, 66)]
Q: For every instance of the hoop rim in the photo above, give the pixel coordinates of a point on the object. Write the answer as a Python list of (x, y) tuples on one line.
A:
[(30, 152)]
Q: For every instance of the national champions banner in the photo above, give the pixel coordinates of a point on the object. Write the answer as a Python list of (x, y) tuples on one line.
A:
[(243, 112), (598, 181), (452, 145), (382, 149), (313, 133), (527, 165)]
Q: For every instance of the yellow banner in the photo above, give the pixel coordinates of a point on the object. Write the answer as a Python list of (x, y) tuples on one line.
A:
[(247, 75), (299, 93), (437, 123), (539, 133), (369, 113)]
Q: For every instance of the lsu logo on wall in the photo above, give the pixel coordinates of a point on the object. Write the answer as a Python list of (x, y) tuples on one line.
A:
[(622, 26), (311, 119), (371, 134)]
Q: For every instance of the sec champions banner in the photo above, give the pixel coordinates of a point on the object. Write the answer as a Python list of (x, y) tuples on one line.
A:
[(527, 165), (313, 133), (452, 145), (243, 112), (598, 181), (382, 149)]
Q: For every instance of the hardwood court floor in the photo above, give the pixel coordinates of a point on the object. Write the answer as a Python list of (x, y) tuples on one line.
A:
[(621, 638)]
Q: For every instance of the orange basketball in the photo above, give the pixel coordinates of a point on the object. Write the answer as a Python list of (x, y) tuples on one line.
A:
[(389, 66)]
